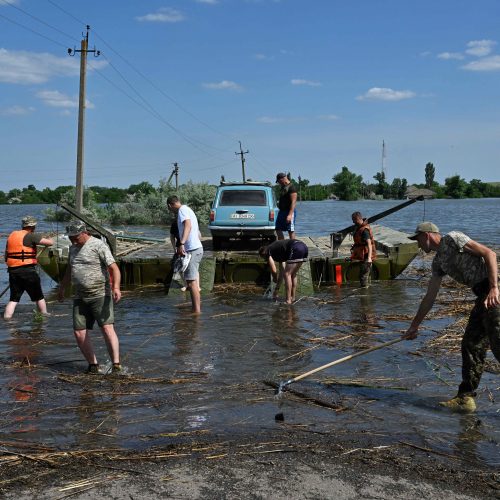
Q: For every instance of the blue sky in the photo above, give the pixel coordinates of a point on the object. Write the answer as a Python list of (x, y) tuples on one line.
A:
[(306, 86)]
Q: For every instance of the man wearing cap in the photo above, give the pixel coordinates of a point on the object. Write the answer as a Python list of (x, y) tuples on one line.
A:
[(21, 260), (474, 265), (286, 204), (90, 264)]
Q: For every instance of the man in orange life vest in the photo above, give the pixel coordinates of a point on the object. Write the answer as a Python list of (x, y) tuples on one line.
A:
[(363, 248), (20, 256)]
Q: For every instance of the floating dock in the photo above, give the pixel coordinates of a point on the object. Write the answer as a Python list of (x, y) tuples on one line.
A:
[(147, 262)]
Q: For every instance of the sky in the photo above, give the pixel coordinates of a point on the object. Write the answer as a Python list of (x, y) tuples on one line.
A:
[(307, 86)]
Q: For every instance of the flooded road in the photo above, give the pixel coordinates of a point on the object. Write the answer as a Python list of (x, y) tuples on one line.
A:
[(187, 376), (189, 381)]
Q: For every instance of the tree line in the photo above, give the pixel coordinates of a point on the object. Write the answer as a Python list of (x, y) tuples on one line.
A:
[(346, 185)]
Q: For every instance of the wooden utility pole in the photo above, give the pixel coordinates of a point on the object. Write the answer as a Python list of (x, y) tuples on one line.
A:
[(81, 115), (242, 154)]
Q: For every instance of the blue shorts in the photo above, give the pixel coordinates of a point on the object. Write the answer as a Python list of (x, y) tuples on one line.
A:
[(282, 224)]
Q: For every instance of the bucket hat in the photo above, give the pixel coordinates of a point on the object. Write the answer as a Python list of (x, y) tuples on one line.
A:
[(29, 221)]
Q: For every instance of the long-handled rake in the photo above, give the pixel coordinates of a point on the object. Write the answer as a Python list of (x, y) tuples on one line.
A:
[(283, 384)]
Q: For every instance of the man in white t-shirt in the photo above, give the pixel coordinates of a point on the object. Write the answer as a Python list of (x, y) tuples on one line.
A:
[(190, 242)]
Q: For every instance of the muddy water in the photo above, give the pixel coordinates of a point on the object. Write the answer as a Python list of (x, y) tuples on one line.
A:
[(206, 375), (188, 376)]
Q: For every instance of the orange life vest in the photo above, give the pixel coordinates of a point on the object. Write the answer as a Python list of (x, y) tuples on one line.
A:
[(359, 250), (16, 253)]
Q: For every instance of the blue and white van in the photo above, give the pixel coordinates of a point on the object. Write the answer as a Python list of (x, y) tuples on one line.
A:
[(243, 210)]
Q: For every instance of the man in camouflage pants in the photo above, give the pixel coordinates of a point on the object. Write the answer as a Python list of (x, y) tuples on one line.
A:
[(474, 265)]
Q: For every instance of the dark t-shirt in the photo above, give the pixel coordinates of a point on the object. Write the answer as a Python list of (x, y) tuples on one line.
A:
[(174, 230), (280, 250), (285, 201)]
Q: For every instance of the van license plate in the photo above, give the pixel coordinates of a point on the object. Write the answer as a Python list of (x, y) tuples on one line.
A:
[(242, 216)]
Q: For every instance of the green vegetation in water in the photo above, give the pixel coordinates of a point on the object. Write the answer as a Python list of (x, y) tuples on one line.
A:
[(144, 207)]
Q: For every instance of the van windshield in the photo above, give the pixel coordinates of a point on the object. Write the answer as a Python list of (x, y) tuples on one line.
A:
[(238, 197)]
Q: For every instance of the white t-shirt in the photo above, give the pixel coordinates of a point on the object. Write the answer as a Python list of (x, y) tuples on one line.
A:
[(193, 240)]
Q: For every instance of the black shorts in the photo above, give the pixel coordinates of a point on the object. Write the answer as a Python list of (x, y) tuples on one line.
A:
[(298, 253), (25, 280)]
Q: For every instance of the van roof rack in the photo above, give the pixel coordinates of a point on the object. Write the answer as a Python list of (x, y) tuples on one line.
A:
[(248, 182)]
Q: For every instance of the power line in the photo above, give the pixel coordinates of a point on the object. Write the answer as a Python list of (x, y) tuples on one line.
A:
[(79, 21), (148, 80), (153, 110), (150, 111), (40, 20), (163, 93), (32, 31)]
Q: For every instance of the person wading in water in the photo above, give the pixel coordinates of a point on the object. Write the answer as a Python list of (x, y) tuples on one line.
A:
[(474, 265)]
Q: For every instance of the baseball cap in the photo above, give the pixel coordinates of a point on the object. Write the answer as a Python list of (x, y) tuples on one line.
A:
[(280, 176), (424, 227), (29, 221), (75, 228)]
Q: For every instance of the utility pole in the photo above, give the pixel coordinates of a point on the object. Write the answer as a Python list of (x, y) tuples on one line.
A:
[(384, 157), (176, 173), (81, 115), (242, 154)]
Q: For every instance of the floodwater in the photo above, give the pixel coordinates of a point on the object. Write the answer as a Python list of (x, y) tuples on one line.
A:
[(186, 376)]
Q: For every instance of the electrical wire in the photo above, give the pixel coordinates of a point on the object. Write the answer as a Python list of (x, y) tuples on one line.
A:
[(32, 31), (41, 21), (146, 78)]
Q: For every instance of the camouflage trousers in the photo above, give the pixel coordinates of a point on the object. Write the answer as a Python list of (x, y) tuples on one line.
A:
[(364, 273), (482, 331)]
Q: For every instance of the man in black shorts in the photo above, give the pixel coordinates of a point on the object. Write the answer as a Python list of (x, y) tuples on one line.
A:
[(290, 252), (285, 221), (20, 257)]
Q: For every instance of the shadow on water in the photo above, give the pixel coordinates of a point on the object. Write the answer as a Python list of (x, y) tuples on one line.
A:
[(188, 375)]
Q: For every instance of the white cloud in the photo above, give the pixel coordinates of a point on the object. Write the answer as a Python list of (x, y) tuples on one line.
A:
[(270, 119), (385, 94), (27, 68), (263, 57), (280, 119), (328, 117), (7, 2), (17, 110), (450, 55), (223, 85), (163, 15), (209, 2), (480, 48), (491, 63), (308, 83), (57, 99)]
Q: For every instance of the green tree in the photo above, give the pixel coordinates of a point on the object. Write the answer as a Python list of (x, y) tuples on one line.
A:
[(475, 189), (430, 171), (143, 187), (455, 187), (382, 188), (347, 185)]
